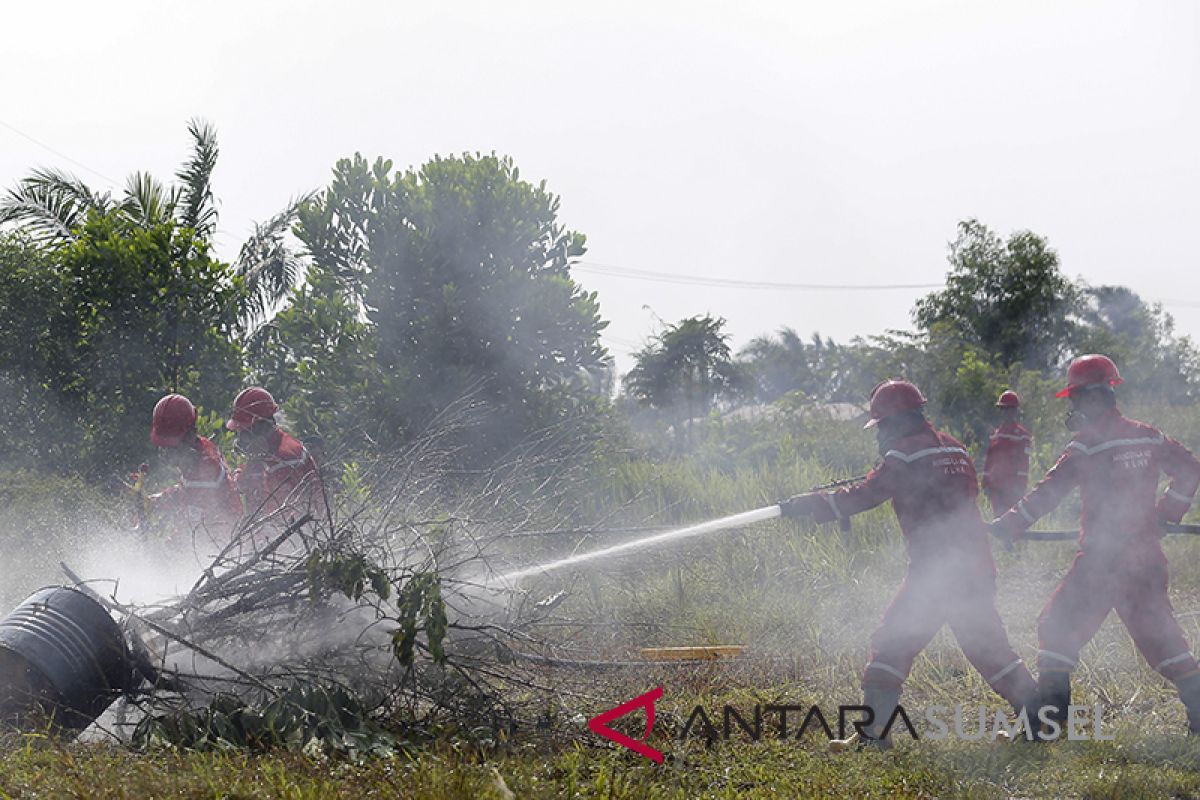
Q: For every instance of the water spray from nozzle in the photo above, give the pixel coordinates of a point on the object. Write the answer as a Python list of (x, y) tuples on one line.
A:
[(724, 523)]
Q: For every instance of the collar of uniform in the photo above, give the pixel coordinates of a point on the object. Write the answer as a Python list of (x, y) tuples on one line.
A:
[(1099, 428)]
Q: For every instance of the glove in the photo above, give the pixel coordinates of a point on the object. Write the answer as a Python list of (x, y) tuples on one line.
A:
[(801, 505), (1170, 509)]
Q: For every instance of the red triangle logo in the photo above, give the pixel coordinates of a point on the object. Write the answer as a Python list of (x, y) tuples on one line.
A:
[(599, 724)]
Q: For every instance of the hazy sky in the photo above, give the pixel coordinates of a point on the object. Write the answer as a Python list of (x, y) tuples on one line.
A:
[(784, 142)]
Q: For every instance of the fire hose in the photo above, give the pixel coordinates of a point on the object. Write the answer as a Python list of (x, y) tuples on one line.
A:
[(1068, 535)]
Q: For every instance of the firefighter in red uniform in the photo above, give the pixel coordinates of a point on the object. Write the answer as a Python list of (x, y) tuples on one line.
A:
[(280, 472), (1006, 464), (1120, 564), (931, 482), (205, 496)]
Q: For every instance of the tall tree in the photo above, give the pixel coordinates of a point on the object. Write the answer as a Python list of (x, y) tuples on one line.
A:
[(784, 362), (1008, 298), (1141, 337), (51, 207), (462, 272), (685, 370)]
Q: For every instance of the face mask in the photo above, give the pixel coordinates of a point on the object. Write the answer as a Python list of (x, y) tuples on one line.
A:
[(1076, 420), (173, 456)]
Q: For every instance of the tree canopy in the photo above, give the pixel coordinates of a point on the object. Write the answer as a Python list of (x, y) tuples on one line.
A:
[(1008, 298), (459, 272)]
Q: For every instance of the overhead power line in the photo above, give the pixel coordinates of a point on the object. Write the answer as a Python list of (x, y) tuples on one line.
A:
[(58, 153), (612, 270)]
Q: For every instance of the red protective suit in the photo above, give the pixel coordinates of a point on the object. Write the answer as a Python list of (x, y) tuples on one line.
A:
[(1006, 466), (951, 577), (288, 476), (205, 497), (1116, 463)]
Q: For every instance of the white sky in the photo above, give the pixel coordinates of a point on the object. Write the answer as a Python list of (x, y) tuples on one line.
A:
[(813, 142)]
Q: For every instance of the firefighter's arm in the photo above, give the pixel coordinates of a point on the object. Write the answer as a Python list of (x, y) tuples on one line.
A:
[(877, 488), (250, 481), (1043, 498), (989, 464), (1025, 452), (165, 501), (1184, 471)]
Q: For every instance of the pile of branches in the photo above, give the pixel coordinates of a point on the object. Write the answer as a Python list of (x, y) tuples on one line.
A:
[(372, 622)]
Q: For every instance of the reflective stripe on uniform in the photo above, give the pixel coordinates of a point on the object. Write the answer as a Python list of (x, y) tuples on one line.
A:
[(1028, 517), (1173, 660), (837, 512), (992, 680), (1091, 451), (213, 484), (1013, 437), (1056, 656), (887, 669), (298, 461), (1186, 498), (930, 451)]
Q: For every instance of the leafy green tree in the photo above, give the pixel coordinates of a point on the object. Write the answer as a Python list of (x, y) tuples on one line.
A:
[(32, 412), (461, 271), (130, 304), (1141, 338), (50, 207), (147, 310), (101, 328), (317, 355), (685, 371), (783, 363), (1007, 298)]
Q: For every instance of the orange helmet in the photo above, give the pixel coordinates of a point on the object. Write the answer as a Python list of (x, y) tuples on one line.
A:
[(250, 406), (893, 397), (1009, 399), (174, 418), (1091, 370)]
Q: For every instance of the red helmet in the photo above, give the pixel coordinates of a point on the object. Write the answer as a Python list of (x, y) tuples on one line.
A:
[(893, 397), (250, 406), (174, 418), (1091, 370), (1009, 399)]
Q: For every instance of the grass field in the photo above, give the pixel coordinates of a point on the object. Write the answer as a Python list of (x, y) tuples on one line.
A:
[(803, 599)]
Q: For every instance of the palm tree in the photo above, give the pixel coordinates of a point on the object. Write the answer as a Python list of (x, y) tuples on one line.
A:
[(50, 206)]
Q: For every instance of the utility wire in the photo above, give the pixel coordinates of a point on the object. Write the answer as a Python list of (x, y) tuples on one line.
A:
[(612, 270), (59, 153)]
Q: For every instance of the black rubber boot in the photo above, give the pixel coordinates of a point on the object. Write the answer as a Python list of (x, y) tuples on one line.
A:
[(883, 701), (1189, 693), (1029, 706), (1054, 689)]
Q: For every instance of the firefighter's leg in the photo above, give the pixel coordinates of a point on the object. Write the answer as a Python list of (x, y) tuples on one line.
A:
[(980, 633), (910, 622), (1189, 693), (1145, 608), (1069, 620)]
